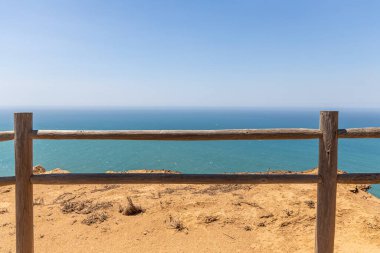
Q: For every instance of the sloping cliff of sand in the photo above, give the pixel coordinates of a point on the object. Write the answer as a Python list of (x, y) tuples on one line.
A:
[(189, 218)]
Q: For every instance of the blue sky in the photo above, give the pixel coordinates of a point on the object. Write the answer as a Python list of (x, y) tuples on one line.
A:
[(190, 53)]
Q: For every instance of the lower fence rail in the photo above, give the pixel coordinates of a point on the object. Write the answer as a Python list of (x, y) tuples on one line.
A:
[(163, 178)]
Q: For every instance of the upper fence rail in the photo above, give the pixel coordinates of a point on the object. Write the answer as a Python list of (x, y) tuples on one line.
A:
[(143, 178), (195, 135)]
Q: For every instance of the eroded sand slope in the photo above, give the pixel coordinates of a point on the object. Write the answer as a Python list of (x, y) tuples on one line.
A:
[(190, 218)]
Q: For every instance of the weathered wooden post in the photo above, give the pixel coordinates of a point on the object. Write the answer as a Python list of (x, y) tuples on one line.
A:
[(23, 126), (326, 190)]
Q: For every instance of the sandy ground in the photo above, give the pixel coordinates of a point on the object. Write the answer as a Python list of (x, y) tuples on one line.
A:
[(189, 218)]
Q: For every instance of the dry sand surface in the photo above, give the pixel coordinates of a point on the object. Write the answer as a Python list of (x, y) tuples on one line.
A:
[(189, 218)]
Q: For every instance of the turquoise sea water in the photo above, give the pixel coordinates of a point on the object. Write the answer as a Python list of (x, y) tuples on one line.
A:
[(355, 155)]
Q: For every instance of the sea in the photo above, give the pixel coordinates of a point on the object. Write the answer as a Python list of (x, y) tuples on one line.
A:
[(355, 155)]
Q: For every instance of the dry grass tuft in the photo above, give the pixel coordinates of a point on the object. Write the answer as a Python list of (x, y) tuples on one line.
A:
[(310, 203), (106, 188), (95, 218), (210, 218), (261, 224), (247, 228), (289, 212), (131, 209), (266, 216), (222, 188), (176, 224), (363, 187), (83, 207), (38, 201), (7, 190), (253, 204), (285, 224)]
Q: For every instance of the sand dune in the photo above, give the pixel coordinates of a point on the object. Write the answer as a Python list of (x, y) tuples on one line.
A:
[(190, 218)]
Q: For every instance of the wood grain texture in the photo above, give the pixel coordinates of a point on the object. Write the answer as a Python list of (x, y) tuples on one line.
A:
[(349, 178), (359, 178), (368, 132), (4, 181), (180, 135), (143, 178), (232, 134), (6, 135), (23, 124), (326, 190)]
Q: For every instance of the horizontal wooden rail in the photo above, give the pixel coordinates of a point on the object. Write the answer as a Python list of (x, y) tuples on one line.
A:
[(368, 132), (143, 178), (181, 135), (359, 178), (196, 135), (7, 181), (6, 135)]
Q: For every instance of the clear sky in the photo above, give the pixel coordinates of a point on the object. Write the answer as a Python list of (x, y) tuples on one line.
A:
[(190, 53)]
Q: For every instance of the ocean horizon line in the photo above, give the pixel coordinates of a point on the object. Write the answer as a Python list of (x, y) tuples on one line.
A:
[(159, 107)]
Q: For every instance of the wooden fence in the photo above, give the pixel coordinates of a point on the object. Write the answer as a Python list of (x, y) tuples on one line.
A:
[(326, 179)]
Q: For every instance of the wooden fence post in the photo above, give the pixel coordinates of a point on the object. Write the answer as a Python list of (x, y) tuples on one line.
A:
[(23, 126), (326, 190)]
